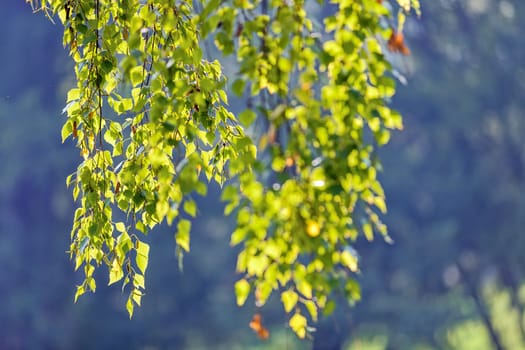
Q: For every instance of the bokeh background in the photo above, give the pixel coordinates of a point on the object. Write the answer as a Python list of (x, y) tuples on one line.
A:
[(455, 180)]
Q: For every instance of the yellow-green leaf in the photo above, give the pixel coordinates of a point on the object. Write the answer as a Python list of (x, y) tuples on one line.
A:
[(247, 117), (298, 324), (136, 296), (262, 293), (120, 227), (289, 299), (138, 281), (142, 256), (312, 309), (349, 260), (190, 207), (242, 289), (329, 308), (136, 75), (305, 288), (115, 273), (368, 231), (182, 237), (80, 290), (238, 87), (129, 307), (67, 129)]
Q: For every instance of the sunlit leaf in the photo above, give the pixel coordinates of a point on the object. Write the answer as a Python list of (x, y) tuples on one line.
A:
[(182, 236), (149, 115), (368, 231), (120, 226), (190, 207), (142, 256), (312, 309), (298, 324), (349, 260), (242, 290), (289, 299), (115, 273), (129, 307)]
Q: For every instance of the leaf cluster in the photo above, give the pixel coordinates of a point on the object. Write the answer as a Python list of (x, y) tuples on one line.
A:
[(149, 115)]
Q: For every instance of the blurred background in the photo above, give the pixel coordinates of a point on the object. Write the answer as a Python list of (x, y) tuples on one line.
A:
[(455, 181)]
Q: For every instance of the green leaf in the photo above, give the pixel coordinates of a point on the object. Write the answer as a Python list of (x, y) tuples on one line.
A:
[(136, 75), (115, 273), (238, 236), (263, 291), (67, 129), (120, 227), (129, 307), (124, 243), (242, 290), (138, 281), (298, 324), (92, 284), (142, 256), (139, 225), (247, 117), (329, 308), (182, 237), (289, 299), (312, 309), (229, 193), (382, 137), (257, 264), (349, 260), (73, 94), (136, 295), (80, 290), (368, 231), (304, 288), (68, 182), (238, 87), (190, 207)]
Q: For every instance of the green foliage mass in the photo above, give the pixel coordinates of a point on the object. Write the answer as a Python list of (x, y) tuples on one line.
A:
[(150, 117)]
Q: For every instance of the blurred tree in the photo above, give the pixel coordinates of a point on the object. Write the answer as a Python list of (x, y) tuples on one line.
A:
[(148, 115)]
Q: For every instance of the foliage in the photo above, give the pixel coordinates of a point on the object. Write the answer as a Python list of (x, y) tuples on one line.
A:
[(452, 183), (455, 176), (149, 116)]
